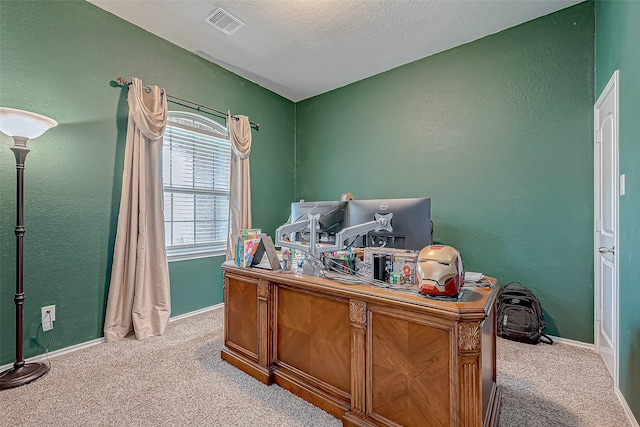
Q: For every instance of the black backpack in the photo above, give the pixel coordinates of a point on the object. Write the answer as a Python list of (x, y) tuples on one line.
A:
[(520, 316)]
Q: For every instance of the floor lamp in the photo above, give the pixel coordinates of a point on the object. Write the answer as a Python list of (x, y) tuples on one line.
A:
[(21, 126)]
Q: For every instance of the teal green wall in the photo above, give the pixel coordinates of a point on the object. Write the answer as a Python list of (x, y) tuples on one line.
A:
[(498, 133), (617, 36), (58, 58)]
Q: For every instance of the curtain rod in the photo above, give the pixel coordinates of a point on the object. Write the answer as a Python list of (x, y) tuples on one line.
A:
[(121, 81)]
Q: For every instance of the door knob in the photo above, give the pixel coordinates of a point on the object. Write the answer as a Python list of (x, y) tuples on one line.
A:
[(604, 250)]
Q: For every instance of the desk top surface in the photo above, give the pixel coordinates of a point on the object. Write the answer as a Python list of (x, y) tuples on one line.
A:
[(473, 302)]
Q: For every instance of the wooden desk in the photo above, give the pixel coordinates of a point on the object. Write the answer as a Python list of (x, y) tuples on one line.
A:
[(368, 356)]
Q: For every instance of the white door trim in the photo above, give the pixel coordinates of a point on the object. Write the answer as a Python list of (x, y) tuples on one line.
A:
[(612, 86)]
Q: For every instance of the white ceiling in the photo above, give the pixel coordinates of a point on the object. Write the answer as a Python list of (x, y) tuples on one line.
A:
[(301, 48)]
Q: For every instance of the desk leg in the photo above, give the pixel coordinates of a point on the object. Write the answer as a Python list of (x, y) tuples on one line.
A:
[(469, 375), (358, 318), (265, 327)]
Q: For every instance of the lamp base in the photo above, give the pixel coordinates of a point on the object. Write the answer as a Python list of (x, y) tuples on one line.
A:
[(17, 376)]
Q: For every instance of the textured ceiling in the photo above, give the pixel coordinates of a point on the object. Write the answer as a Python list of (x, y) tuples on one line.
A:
[(301, 48)]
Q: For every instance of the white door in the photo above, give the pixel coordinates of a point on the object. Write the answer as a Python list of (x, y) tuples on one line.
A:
[(607, 189)]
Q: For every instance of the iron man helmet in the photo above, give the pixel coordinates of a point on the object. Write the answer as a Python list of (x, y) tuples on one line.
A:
[(439, 270)]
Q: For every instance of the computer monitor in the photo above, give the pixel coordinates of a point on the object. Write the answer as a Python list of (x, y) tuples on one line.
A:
[(411, 222), (333, 218)]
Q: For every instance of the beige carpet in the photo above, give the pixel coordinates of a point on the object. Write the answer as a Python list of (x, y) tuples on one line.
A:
[(179, 380), (555, 385)]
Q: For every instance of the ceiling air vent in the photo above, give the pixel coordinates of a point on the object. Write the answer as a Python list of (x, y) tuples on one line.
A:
[(222, 20)]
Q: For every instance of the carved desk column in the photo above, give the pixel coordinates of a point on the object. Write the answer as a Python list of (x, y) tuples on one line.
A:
[(266, 348), (469, 374), (358, 321)]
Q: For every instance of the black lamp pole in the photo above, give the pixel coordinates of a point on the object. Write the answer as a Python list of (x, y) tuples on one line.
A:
[(21, 373)]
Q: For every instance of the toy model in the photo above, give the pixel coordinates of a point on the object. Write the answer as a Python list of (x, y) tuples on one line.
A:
[(439, 271)]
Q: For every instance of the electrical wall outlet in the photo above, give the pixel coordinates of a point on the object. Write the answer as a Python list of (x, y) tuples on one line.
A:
[(48, 316)]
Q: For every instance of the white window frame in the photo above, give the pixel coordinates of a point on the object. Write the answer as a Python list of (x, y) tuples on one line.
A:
[(203, 127)]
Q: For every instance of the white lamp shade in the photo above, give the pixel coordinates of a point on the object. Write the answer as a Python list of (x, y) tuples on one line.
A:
[(24, 123)]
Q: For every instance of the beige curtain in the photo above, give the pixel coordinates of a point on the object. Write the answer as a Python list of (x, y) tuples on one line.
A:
[(240, 195), (139, 298)]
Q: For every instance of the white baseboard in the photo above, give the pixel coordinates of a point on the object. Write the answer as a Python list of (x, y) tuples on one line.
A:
[(574, 343), (627, 410), (87, 344), (194, 313), (58, 353)]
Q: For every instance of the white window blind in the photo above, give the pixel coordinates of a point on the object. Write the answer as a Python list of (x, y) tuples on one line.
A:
[(196, 171)]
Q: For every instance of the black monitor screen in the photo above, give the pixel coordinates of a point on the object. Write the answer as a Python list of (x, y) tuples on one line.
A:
[(411, 222), (333, 218)]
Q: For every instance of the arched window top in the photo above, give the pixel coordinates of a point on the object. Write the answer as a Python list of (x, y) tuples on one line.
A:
[(197, 123)]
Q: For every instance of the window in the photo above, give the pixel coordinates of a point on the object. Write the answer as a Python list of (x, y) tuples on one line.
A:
[(196, 170)]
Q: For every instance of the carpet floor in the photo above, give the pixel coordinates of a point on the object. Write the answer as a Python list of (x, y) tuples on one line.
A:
[(178, 379)]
